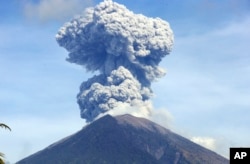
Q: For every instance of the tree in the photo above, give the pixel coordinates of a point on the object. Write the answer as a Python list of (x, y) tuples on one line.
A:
[(1, 158), (5, 126), (1, 154)]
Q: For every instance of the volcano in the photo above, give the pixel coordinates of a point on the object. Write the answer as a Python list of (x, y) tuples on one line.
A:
[(124, 139)]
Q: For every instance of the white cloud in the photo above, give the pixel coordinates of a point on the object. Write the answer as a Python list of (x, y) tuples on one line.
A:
[(47, 10), (163, 117), (217, 144), (207, 142)]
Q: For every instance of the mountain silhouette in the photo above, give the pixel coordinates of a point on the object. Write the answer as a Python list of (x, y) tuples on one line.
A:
[(124, 139)]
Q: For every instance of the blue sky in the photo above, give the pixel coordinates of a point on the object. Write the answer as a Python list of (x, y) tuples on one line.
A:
[(206, 90)]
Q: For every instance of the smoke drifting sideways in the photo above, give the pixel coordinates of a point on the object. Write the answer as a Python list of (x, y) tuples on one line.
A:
[(125, 50)]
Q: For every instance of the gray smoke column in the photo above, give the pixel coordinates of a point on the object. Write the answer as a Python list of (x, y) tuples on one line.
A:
[(125, 50)]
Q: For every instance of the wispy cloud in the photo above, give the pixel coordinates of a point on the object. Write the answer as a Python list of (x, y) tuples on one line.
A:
[(210, 64), (207, 142), (51, 10), (207, 83)]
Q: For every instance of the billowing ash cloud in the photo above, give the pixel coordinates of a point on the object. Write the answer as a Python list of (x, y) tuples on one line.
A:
[(125, 48)]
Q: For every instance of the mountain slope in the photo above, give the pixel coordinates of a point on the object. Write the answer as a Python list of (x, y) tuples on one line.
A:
[(125, 140)]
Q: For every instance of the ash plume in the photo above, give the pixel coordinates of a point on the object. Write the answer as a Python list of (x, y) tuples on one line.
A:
[(125, 50)]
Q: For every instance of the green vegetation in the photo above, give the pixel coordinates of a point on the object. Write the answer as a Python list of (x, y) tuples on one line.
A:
[(5, 126), (1, 158), (1, 154)]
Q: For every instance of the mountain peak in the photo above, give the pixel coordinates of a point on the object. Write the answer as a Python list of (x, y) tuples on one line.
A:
[(140, 123), (124, 139)]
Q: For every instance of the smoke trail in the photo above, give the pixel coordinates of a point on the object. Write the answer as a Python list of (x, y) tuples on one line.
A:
[(125, 48)]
